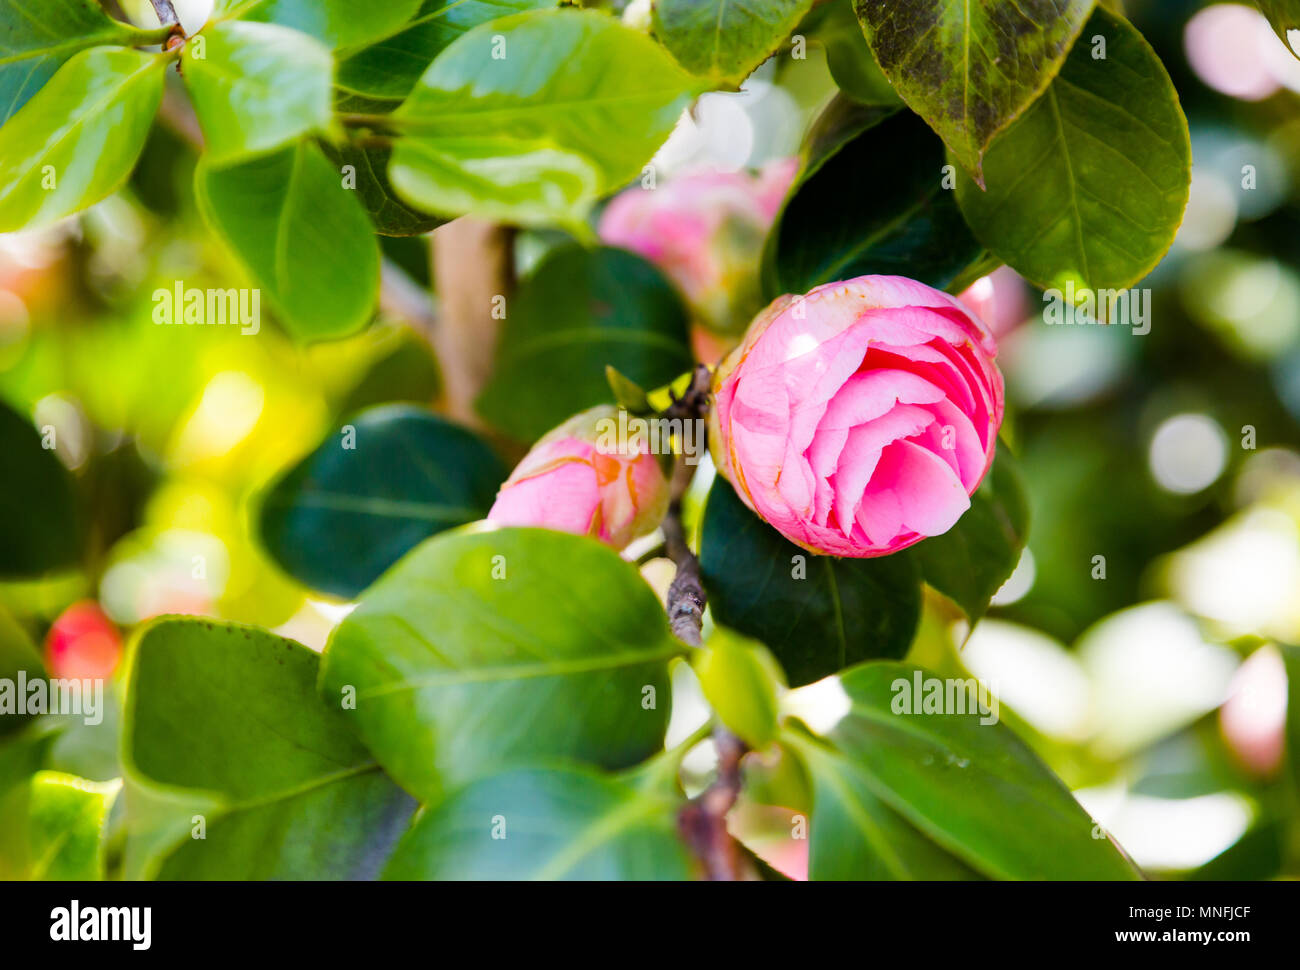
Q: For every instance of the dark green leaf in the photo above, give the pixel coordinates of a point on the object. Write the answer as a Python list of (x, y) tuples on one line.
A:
[(389, 67), (580, 311), (300, 235), (534, 823), (339, 23), (77, 139), (839, 222), (225, 722), (817, 614), (972, 789), (1089, 186), (514, 645), (68, 819), (969, 69), (724, 40), (971, 561), (39, 521), (529, 118), (390, 478), (38, 36), (258, 87), (389, 214)]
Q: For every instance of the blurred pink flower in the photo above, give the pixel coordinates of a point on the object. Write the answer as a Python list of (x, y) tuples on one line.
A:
[(858, 419), (706, 232), (1253, 718), (579, 479), (998, 299)]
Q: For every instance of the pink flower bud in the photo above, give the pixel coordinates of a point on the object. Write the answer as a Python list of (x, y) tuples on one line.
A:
[(588, 477), (857, 420), (706, 232)]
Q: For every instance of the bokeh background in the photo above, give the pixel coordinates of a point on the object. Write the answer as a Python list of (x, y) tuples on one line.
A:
[(1133, 646)]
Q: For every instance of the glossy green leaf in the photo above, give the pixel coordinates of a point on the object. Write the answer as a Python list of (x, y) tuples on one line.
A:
[(38, 36), (971, 561), (724, 40), (301, 236), (369, 168), (258, 87), (531, 117), (817, 614), (68, 819), (969, 69), (338, 23), (514, 645), (225, 722), (78, 138), (388, 479), (1284, 15), (856, 835), (580, 311), (39, 519), (838, 223), (961, 779), (544, 824), (1090, 185), (739, 679), (389, 67)]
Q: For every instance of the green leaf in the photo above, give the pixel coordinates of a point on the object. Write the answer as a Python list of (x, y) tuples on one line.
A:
[(724, 40), (531, 117), (972, 789), (856, 835), (78, 138), (969, 69), (971, 561), (486, 648), (1284, 15), (534, 823), (1291, 663), (1090, 185), (848, 56), (38, 36), (389, 67), (225, 722), (258, 87), (817, 614), (628, 394), (839, 223), (39, 520), (388, 213), (338, 23), (739, 679), (21, 756), (69, 815), (390, 478), (581, 311), (299, 234)]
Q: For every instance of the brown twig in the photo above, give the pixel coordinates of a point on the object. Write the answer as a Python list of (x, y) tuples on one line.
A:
[(703, 820)]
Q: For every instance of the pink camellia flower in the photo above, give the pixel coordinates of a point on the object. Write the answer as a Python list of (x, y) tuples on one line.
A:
[(857, 420), (581, 478), (705, 231)]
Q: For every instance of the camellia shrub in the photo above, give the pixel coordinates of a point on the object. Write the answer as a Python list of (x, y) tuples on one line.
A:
[(710, 464)]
